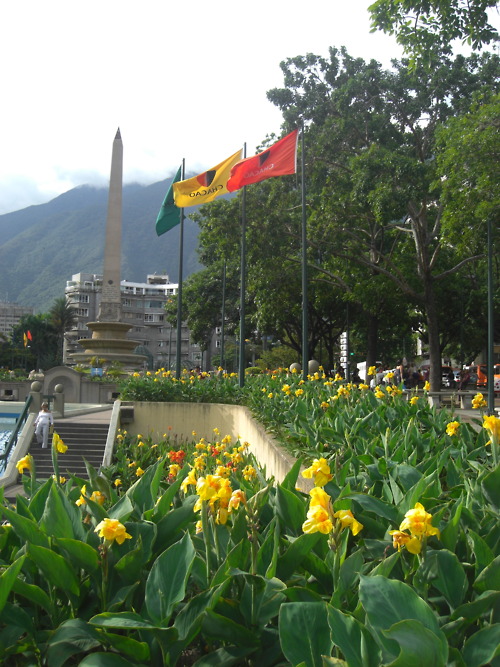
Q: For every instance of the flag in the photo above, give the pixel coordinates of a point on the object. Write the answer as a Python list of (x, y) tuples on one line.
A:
[(25, 339), (278, 160), (28, 333), (168, 217), (205, 187)]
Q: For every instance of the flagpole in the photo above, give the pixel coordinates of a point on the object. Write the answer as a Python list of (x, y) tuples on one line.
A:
[(242, 281), (305, 332), (179, 292), (223, 315)]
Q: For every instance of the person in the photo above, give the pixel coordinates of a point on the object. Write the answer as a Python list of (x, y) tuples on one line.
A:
[(43, 422), (451, 379), (464, 379)]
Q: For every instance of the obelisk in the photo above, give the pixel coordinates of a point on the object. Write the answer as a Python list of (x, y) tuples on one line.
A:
[(109, 342), (110, 307)]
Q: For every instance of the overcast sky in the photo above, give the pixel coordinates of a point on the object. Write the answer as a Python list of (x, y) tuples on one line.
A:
[(180, 79)]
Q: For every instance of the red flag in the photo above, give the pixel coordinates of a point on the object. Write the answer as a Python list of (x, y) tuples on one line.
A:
[(278, 160), (28, 334)]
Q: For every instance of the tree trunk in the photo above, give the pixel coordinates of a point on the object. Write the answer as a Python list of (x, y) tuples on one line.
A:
[(433, 334), (371, 343)]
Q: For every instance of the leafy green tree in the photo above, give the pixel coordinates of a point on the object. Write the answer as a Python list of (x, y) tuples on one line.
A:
[(427, 28), (62, 318), (372, 137), (42, 348)]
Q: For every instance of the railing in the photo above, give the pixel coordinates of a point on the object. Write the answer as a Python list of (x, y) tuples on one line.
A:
[(4, 456)]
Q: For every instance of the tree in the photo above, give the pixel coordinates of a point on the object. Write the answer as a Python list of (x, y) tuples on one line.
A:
[(427, 28), (372, 137), (62, 318), (42, 347)]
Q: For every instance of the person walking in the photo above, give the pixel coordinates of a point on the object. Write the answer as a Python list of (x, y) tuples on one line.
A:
[(43, 422)]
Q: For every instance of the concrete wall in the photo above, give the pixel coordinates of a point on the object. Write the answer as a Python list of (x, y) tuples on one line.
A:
[(181, 419)]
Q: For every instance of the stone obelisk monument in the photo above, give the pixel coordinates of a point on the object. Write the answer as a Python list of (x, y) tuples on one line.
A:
[(109, 342)]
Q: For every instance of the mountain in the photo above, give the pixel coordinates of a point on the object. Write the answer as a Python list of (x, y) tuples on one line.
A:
[(42, 246)]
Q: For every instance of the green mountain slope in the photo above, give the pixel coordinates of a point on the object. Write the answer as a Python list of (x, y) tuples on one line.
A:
[(41, 247)]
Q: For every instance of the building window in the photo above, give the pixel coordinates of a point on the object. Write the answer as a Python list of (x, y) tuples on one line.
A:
[(217, 343), (83, 298), (82, 312)]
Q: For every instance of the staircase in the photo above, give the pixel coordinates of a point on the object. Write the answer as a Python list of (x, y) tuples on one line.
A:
[(82, 439)]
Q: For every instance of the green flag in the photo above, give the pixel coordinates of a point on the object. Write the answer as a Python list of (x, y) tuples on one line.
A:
[(169, 215)]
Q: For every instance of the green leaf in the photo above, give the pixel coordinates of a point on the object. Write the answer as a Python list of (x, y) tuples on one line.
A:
[(489, 578), (221, 628), (166, 583), (290, 481), (56, 519), (172, 526), (8, 578), (165, 501), (482, 552), (448, 575), (132, 648), (34, 594), (261, 599), (420, 647), (387, 602), (449, 534), (481, 605), (482, 647), (126, 620), (121, 510), (353, 639), (305, 633), (291, 509), (491, 487), (55, 569), (80, 553), (71, 637), (106, 660), (375, 506), (292, 558), (27, 529)]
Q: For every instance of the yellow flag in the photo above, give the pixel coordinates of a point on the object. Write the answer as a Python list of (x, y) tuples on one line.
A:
[(205, 187)]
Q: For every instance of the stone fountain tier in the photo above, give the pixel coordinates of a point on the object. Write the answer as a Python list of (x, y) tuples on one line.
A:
[(110, 343)]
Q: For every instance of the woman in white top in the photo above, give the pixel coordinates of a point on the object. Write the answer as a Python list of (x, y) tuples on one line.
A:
[(42, 423)]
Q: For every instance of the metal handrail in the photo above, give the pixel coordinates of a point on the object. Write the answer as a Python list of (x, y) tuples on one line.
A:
[(21, 420)]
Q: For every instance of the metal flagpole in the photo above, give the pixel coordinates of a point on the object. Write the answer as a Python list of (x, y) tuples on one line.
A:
[(179, 291), (491, 329), (223, 315), (242, 281), (305, 331)]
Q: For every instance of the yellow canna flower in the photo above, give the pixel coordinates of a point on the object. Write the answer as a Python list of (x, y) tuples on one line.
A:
[(452, 428), (418, 522), (319, 471), (270, 395), (479, 401), (81, 500), (427, 385), (348, 521), (62, 480), (492, 424), (58, 443), (249, 473), (400, 539), (26, 463), (199, 527), (318, 520), (139, 472), (372, 370), (237, 497), (117, 482), (208, 487), (413, 400), (98, 497), (379, 393), (299, 392), (111, 530)]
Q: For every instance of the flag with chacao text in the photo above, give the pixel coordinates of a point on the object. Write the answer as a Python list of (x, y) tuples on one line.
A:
[(169, 215), (279, 159), (205, 187)]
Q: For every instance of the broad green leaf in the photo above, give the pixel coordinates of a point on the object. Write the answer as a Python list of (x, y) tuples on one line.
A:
[(305, 633), (489, 578), (481, 605), (172, 526), (34, 594), (353, 639), (376, 506), (482, 552), (80, 553), (291, 510), (290, 481), (448, 575), (387, 602), (261, 599), (221, 628), (449, 534), (27, 529), (419, 646), (72, 637), (55, 568), (228, 656), (482, 647), (60, 517), (164, 503), (166, 583), (8, 578), (106, 660), (126, 620), (292, 558), (491, 487), (131, 648), (121, 510)]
